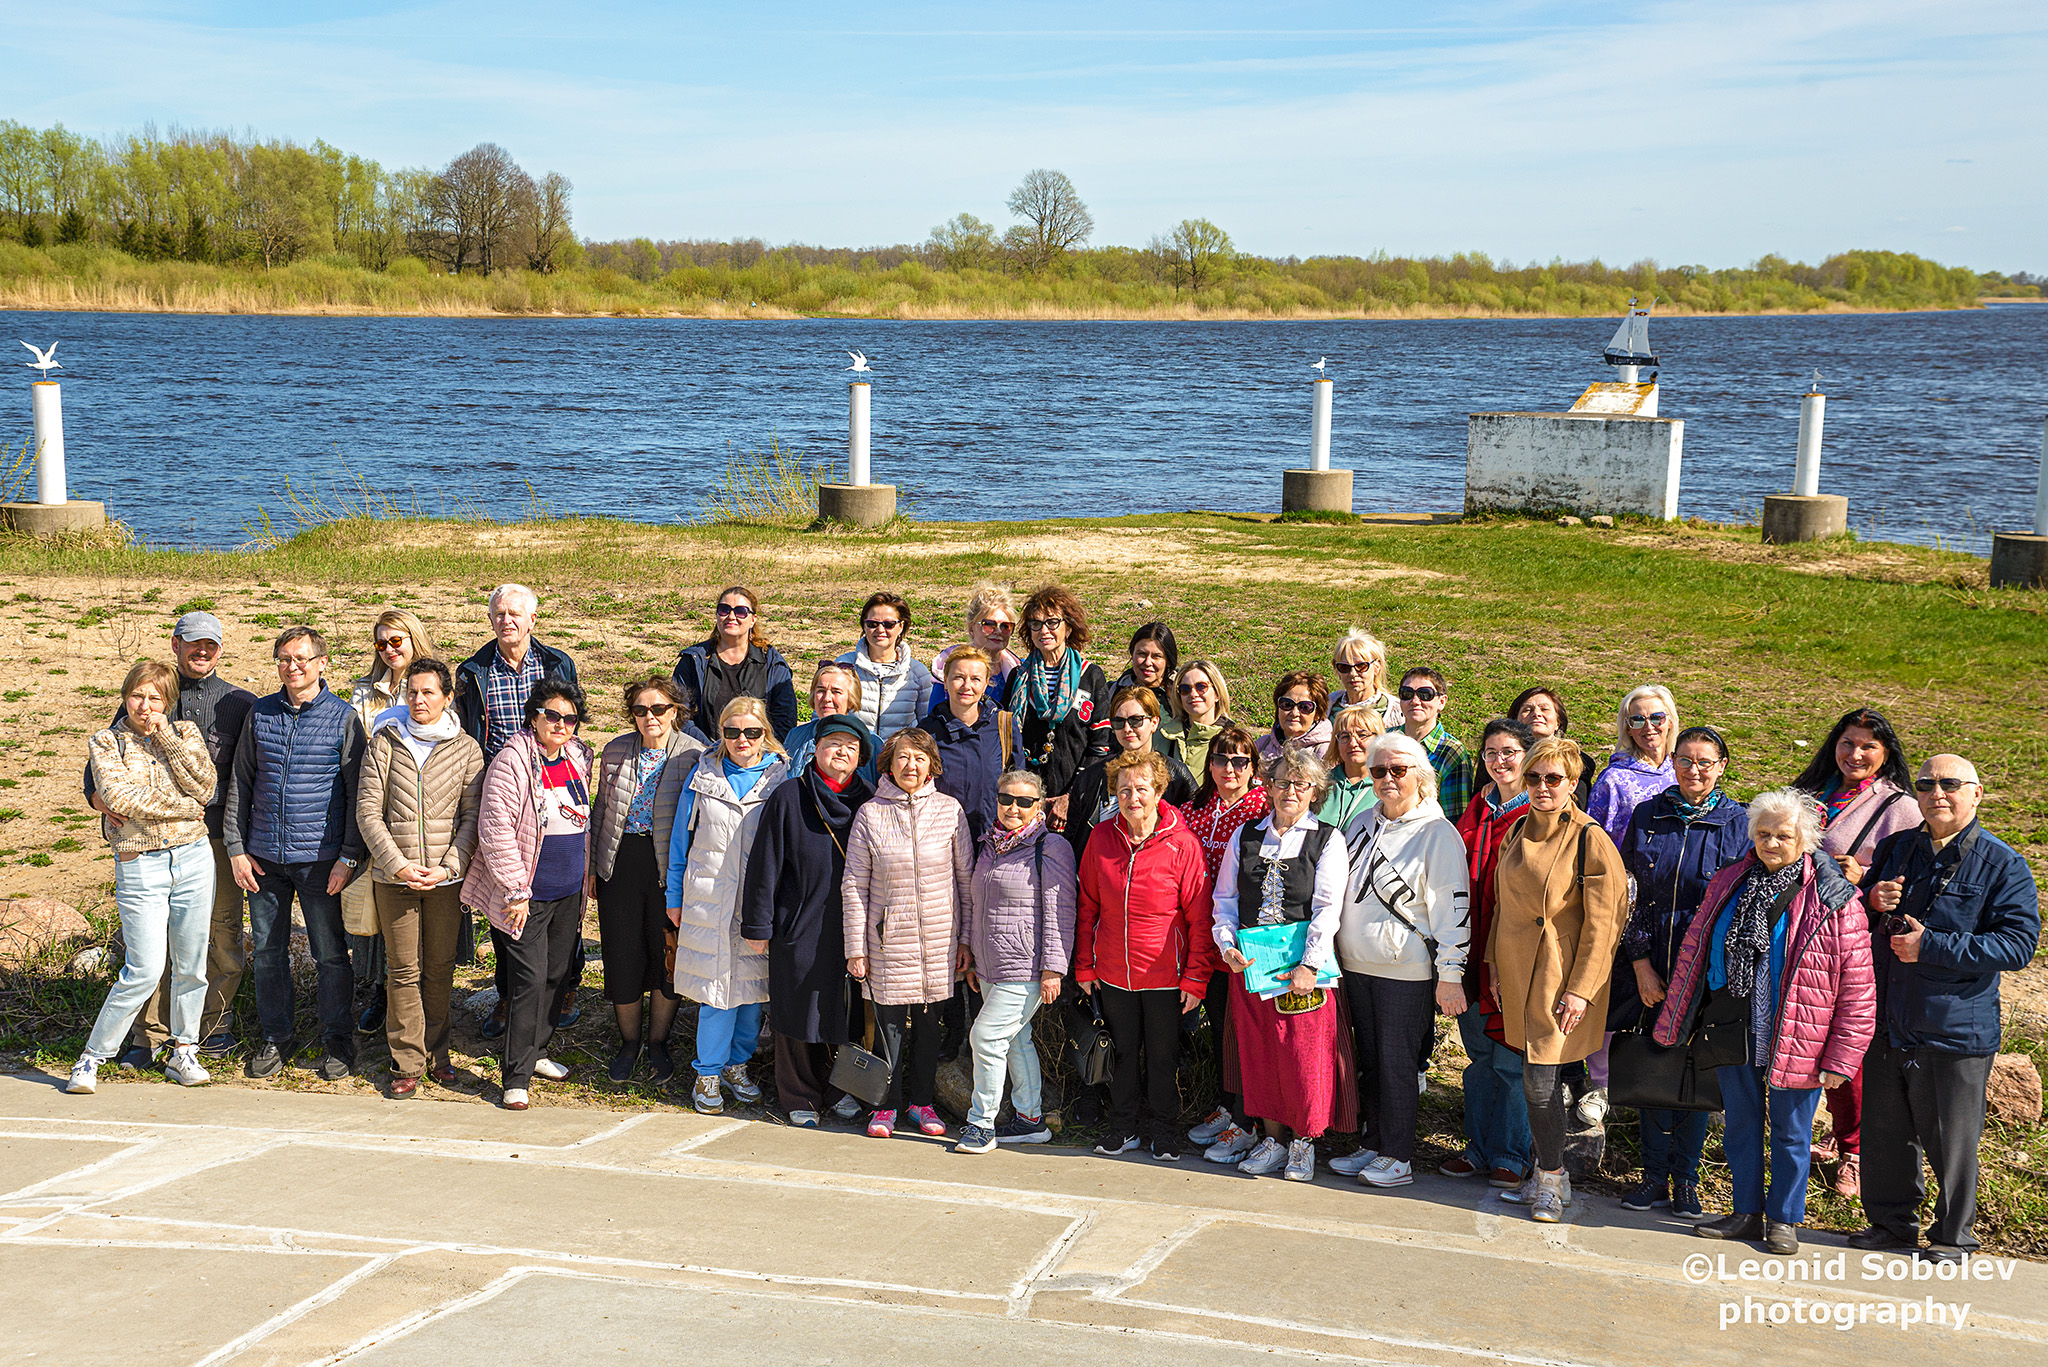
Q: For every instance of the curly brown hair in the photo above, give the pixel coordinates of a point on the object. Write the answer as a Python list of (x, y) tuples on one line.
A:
[(1058, 600)]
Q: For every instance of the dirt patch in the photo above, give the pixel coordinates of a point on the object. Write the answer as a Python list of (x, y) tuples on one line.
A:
[(1886, 564)]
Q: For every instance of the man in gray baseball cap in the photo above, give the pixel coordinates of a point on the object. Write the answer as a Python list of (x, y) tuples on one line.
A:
[(218, 709)]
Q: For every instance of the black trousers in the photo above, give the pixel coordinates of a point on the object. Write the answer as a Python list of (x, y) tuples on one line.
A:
[(1145, 1027), (1917, 1103), (574, 976), (632, 925), (1543, 1091), (1391, 1020), (534, 967), (1215, 1002), (803, 1074), (907, 1038)]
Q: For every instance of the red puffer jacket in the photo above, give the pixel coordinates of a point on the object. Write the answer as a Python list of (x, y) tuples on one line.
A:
[(1144, 916), (1827, 1003)]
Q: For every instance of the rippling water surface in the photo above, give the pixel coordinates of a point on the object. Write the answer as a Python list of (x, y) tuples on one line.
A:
[(187, 425)]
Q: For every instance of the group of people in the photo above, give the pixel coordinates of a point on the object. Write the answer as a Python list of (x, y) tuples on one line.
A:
[(942, 851)]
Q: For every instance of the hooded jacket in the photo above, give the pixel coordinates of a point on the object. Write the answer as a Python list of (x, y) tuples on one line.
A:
[(712, 837), (1145, 916), (909, 863), (508, 833)]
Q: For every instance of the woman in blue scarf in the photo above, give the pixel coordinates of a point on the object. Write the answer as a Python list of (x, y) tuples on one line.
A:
[(1061, 700)]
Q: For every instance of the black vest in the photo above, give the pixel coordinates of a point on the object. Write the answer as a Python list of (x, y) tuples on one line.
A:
[(1297, 875)]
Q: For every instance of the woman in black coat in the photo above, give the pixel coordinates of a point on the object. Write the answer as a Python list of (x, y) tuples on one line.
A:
[(790, 908)]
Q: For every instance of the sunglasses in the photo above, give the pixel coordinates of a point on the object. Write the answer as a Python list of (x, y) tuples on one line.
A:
[(1544, 780), (1947, 785), (744, 733), (1295, 704), (391, 643), (1044, 623), (1355, 667), (1424, 693), (738, 610), (1232, 761), (558, 718), (1015, 800), (651, 709), (995, 628), (877, 624), (1191, 689), (1637, 723), (1395, 771), (1128, 723)]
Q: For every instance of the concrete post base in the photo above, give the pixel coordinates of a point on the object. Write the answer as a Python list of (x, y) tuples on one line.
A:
[(2019, 561), (1803, 517), (49, 519), (860, 505), (1315, 491)]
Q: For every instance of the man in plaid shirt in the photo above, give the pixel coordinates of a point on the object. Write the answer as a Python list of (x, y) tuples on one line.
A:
[(1423, 696)]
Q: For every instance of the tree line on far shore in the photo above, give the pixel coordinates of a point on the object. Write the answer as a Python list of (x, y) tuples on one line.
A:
[(253, 208)]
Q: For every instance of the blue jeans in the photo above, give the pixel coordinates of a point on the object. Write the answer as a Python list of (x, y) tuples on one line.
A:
[(270, 927), (1496, 1116), (1001, 1041), (165, 899), (726, 1036), (1758, 1113), (1672, 1141)]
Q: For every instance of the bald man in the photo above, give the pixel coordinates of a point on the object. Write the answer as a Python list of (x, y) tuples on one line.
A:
[(1951, 907)]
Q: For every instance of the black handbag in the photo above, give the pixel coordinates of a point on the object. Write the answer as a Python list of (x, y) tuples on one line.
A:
[(860, 1074), (1089, 1042), (1646, 1075)]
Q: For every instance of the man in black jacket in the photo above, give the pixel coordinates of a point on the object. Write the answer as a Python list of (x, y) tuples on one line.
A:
[(218, 709), (1952, 906)]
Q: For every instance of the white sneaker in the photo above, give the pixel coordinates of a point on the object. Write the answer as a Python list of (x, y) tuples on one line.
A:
[(1231, 1145), (1387, 1172), (1353, 1163), (1592, 1109), (804, 1120), (85, 1076), (743, 1087), (1525, 1195), (1553, 1194), (1301, 1161), (551, 1070), (1216, 1123), (846, 1108), (1269, 1156), (184, 1068)]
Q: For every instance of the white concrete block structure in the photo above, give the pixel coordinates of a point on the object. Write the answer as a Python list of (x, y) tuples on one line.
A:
[(1581, 462)]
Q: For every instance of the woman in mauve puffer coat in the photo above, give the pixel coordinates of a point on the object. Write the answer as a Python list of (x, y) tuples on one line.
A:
[(1782, 948), (909, 863)]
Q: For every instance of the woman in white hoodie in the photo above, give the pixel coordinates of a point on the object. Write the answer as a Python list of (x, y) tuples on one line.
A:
[(1401, 942), (893, 684)]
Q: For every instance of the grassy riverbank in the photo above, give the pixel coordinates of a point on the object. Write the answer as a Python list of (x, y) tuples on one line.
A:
[(1106, 283), (1770, 644)]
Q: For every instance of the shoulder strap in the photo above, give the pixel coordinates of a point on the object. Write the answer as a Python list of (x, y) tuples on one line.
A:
[(1875, 817), (1006, 726), (1585, 833)]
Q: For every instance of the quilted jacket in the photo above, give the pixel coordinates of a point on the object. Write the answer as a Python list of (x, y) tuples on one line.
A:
[(610, 796), (508, 827), (413, 816), (707, 872), (1827, 1001), (909, 870)]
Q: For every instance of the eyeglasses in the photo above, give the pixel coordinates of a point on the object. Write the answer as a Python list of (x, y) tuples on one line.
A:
[(1128, 723), (1295, 704), (1422, 694), (1501, 756), (1232, 761), (1695, 765), (1947, 785), (1544, 780), (1044, 623), (1016, 800), (1195, 688), (1637, 723), (651, 709), (1295, 785), (744, 732), (996, 628), (739, 611), (391, 642), (879, 624), (557, 718), (296, 662), (1393, 771)]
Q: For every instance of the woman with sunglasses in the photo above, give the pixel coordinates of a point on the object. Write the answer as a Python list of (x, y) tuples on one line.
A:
[(1293, 1060), (1360, 663), (991, 627), (1200, 702), (1560, 897), (1352, 732), (735, 661), (717, 814), (1133, 722), (397, 638), (1301, 715), (533, 846), (1401, 942), (894, 684), (1674, 844), (1061, 699), (1155, 660), (1230, 798), (640, 777), (1861, 779), (1645, 730)]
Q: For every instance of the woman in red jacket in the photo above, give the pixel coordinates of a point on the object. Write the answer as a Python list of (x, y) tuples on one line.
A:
[(1142, 944), (1782, 949)]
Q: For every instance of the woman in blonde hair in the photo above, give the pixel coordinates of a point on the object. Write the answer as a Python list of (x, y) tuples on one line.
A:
[(1201, 707), (1360, 660), (1646, 729), (991, 626), (397, 638)]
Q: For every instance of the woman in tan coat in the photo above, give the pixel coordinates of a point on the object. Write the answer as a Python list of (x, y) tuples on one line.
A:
[(1560, 903), (909, 868)]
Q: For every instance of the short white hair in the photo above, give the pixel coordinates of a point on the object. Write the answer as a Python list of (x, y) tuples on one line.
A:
[(1788, 804), (508, 590), (1408, 748), (1659, 694)]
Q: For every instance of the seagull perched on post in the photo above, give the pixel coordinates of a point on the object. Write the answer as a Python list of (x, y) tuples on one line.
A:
[(860, 361), (1816, 383), (1318, 366), (45, 361)]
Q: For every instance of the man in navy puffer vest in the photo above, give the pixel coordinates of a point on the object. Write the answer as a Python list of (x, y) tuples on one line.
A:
[(290, 831)]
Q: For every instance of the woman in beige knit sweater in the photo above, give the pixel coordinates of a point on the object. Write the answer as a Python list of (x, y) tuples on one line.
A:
[(154, 779)]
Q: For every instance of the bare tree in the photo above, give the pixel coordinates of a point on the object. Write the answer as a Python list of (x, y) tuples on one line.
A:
[(1055, 219), (473, 205)]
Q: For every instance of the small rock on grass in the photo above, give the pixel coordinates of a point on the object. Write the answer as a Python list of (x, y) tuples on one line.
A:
[(1571, 522), (2015, 1090), (1603, 520)]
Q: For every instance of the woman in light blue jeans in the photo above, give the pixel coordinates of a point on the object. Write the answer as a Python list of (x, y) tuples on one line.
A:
[(1019, 929), (154, 779)]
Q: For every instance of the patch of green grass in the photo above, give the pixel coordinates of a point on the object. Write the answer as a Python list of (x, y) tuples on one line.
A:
[(93, 616), (193, 605), (68, 845)]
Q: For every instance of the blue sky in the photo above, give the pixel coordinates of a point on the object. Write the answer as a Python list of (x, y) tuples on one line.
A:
[(1708, 133)]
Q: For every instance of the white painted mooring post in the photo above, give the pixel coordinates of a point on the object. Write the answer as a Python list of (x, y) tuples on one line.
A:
[(1319, 431), (857, 432), (2041, 486), (47, 401), (1813, 410)]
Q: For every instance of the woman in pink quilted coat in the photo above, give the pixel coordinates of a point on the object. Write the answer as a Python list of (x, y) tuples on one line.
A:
[(1777, 965)]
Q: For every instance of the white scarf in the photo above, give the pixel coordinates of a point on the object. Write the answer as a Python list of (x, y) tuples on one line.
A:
[(422, 739)]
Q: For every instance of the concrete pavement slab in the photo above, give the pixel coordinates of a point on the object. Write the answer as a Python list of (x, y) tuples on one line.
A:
[(28, 1161)]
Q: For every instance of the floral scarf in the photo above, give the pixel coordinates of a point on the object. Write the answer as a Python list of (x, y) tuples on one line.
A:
[(1689, 812), (1748, 948), (1050, 699), (1838, 796), (1000, 842)]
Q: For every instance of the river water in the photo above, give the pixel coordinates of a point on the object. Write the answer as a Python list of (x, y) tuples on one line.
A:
[(189, 425)]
